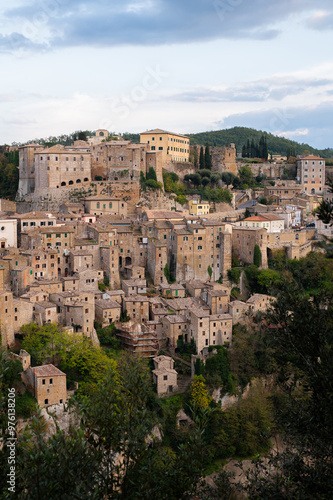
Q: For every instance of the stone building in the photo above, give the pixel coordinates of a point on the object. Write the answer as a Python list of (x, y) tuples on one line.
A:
[(80, 259), (22, 278), (244, 240), (273, 223), (47, 383), (107, 311), (237, 310), (164, 375), (76, 309), (6, 319), (217, 300), (43, 262), (157, 260), (311, 173), (199, 327), (32, 220), (105, 205), (174, 147), (174, 327), (27, 169), (119, 160), (223, 157), (259, 302), (137, 307), (172, 290), (7, 205), (134, 287), (45, 312), (282, 189), (61, 167), (23, 313), (197, 207), (195, 246), (8, 233), (52, 237), (220, 329)]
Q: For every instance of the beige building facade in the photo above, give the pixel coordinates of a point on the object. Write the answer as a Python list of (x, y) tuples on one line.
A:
[(174, 147)]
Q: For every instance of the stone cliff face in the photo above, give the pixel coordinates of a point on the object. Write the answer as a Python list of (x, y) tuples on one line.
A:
[(57, 417)]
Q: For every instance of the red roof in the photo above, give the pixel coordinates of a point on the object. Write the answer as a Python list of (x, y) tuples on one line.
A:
[(256, 218)]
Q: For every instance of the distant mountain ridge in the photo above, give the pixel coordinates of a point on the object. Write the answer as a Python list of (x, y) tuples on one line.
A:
[(240, 135)]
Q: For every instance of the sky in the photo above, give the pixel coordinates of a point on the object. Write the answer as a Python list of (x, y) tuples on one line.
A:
[(181, 65)]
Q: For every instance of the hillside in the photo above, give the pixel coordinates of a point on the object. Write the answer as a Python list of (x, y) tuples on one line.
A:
[(240, 135), (237, 135)]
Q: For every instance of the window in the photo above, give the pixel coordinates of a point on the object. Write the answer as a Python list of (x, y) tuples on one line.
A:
[(165, 377), (43, 381), (51, 381), (46, 401)]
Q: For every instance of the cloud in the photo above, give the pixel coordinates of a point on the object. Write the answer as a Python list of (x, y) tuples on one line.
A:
[(15, 42), (320, 21), (275, 88), (154, 22), (312, 123)]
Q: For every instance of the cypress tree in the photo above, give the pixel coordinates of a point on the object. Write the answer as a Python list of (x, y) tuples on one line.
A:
[(253, 149), (265, 149), (202, 163), (257, 256), (208, 158), (248, 149)]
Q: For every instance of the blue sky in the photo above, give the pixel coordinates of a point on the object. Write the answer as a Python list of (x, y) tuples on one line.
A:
[(186, 66)]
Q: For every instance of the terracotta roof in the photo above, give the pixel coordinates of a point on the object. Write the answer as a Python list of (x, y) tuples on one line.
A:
[(256, 218)]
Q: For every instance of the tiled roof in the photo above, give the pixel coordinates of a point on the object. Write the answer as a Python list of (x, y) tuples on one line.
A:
[(47, 371)]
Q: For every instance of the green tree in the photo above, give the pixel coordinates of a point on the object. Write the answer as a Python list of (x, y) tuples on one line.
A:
[(181, 199), (199, 394), (228, 178), (151, 174), (210, 272), (300, 335), (257, 256), (208, 158), (82, 136), (202, 163), (167, 274), (324, 211), (246, 176)]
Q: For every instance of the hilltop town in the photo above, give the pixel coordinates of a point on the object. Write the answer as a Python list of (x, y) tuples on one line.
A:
[(95, 237), (158, 282)]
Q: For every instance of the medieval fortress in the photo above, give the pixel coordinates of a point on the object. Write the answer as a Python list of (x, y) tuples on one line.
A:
[(52, 174), (47, 172)]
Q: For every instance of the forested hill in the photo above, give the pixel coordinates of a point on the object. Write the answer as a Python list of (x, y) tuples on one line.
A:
[(237, 135), (240, 135)]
